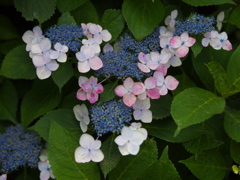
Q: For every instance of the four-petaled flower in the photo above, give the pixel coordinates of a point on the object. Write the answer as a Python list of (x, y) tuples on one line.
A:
[(81, 114), (59, 53), (170, 20), (182, 43), (220, 18), (141, 110), (89, 150), (46, 171), (129, 90)]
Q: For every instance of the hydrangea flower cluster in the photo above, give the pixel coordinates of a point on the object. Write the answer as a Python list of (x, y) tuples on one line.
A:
[(18, 147), (44, 166), (141, 67)]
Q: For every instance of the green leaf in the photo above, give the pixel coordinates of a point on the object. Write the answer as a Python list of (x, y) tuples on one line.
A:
[(18, 65), (212, 137), (207, 55), (43, 97), (161, 107), (232, 124), (69, 5), (35, 9), (66, 18), (142, 16), (113, 21), (85, 14), (8, 101), (111, 155), (197, 47), (207, 2), (7, 46), (62, 145), (162, 169), (184, 83), (63, 117), (69, 101), (108, 92), (195, 105), (233, 72), (133, 167), (8, 29), (208, 165), (234, 150), (220, 78), (62, 74), (234, 17), (165, 129)]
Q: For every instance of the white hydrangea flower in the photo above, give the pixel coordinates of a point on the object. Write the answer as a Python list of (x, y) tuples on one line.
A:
[(46, 171), (141, 110), (59, 53), (89, 150), (129, 141), (220, 18), (3, 177), (82, 115)]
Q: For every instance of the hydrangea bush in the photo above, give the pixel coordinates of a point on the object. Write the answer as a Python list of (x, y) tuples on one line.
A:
[(132, 89)]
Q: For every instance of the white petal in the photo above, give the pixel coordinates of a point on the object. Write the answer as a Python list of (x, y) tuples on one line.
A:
[(42, 165), (123, 150), (83, 126), (43, 72), (96, 155), (82, 155), (44, 175), (133, 149), (137, 114), (62, 57), (86, 141), (120, 140), (52, 65), (146, 116)]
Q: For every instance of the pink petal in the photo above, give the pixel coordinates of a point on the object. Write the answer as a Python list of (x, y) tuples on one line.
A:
[(138, 88), (150, 82), (171, 82), (163, 90), (190, 42), (107, 48), (92, 96), (120, 90), (83, 66), (128, 83), (94, 28), (175, 42), (129, 99), (81, 95), (95, 63), (205, 42), (38, 60), (162, 68), (142, 96), (143, 68), (81, 80), (37, 31), (99, 88), (160, 78), (153, 93), (182, 51), (226, 45), (174, 14)]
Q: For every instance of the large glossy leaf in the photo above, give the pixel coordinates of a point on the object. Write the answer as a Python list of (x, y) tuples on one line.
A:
[(162, 169), (195, 105), (208, 165), (111, 155), (69, 5), (207, 2), (8, 101), (18, 65), (232, 124), (234, 17), (233, 72), (132, 167), (63, 117), (62, 145), (234, 150), (43, 97), (142, 16), (35, 9)]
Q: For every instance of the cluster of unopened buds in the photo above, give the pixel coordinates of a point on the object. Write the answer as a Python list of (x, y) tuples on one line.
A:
[(135, 95)]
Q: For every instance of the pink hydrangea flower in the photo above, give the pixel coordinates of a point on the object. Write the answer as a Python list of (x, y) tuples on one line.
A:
[(141, 110), (85, 28), (88, 60), (59, 53), (182, 43), (144, 59), (107, 48), (164, 32), (90, 44), (165, 84), (89, 89), (89, 150), (129, 90), (150, 89)]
